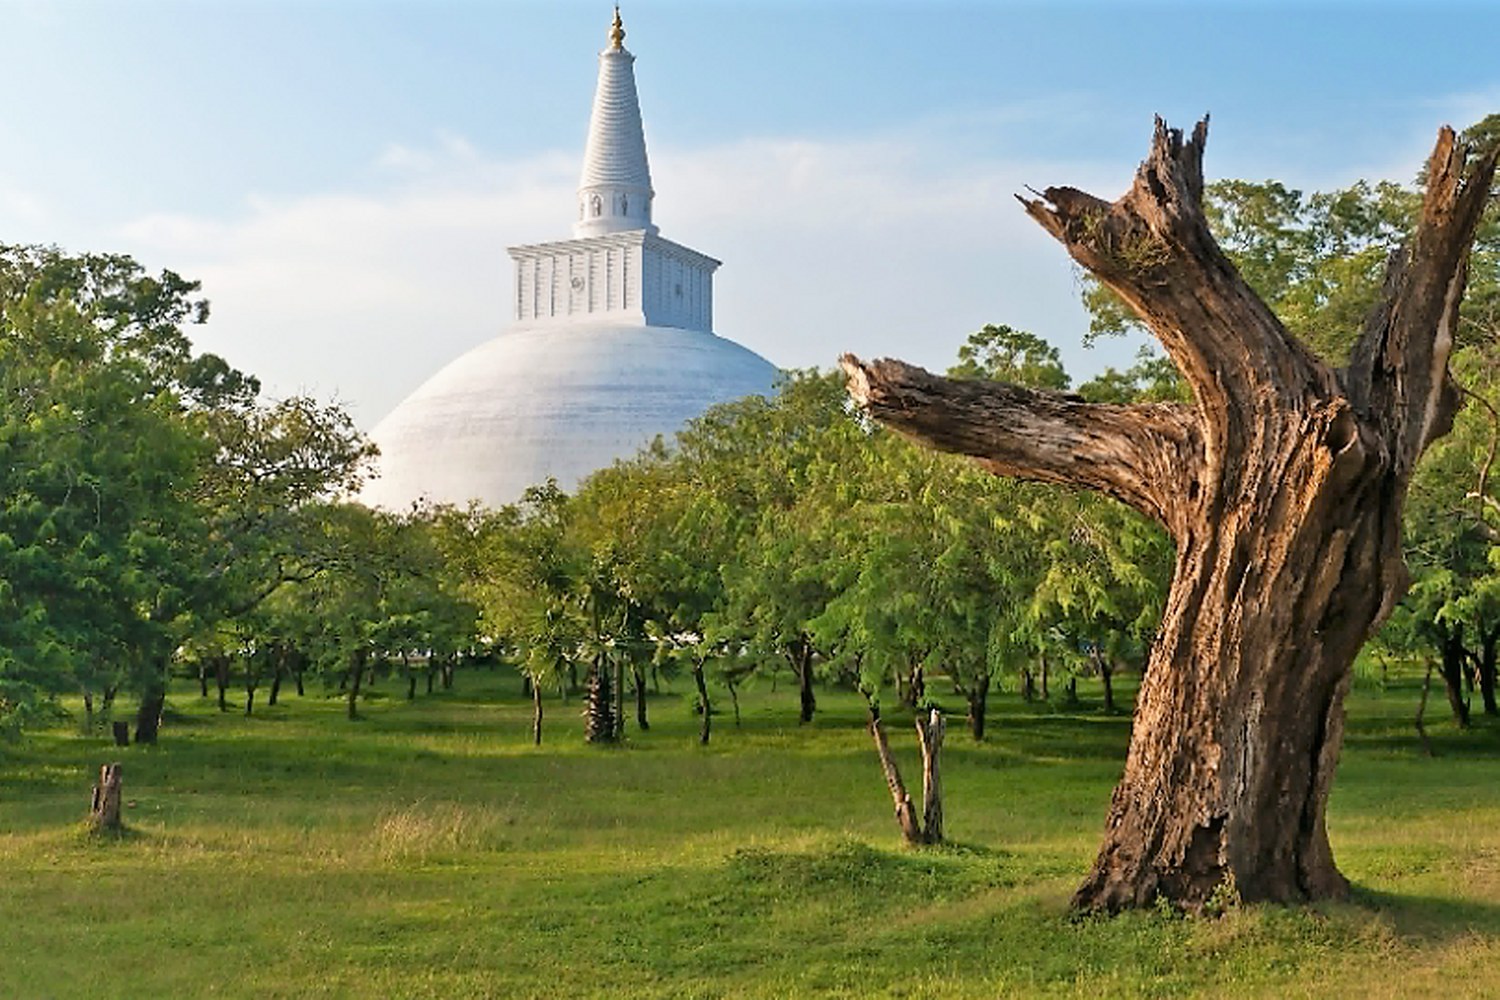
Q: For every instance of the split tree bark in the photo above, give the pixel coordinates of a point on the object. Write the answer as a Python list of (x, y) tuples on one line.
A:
[(104, 808), (1282, 485), (928, 827)]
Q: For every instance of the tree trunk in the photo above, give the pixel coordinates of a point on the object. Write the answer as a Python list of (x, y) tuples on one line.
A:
[(88, 711), (1454, 656), (221, 677), (297, 673), (1106, 669), (1486, 666), (277, 674), (599, 722), (1044, 672), (930, 732), (148, 715), (355, 673), (617, 710), (1422, 710), (734, 697), (801, 655), (249, 701), (536, 714), (122, 733), (1282, 485), (978, 699), (431, 676), (906, 813), (640, 697), (104, 809), (703, 704), (1028, 685), (202, 679)]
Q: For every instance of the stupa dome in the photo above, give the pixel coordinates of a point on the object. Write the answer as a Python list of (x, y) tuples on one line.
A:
[(542, 402), (613, 343)]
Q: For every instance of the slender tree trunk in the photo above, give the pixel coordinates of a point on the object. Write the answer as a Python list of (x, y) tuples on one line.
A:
[(431, 676), (1282, 485), (978, 699), (906, 813), (1422, 710), (221, 677), (617, 710), (88, 710), (104, 809), (1486, 666), (1028, 685), (1046, 689), (202, 679), (734, 697), (930, 732), (706, 725), (640, 697), (297, 673), (277, 674), (109, 699), (801, 656), (249, 701), (536, 714), (1454, 655), (916, 688), (356, 673)]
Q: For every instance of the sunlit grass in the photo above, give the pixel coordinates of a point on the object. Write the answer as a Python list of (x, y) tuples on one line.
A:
[(428, 850)]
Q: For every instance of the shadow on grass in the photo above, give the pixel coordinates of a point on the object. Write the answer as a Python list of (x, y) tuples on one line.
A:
[(1429, 919)]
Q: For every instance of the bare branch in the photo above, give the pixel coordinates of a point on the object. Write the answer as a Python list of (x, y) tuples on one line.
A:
[(1154, 249), (1398, 375), (1146, 455)]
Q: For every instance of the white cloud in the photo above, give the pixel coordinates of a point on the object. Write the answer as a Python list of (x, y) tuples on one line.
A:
[(881, 246)]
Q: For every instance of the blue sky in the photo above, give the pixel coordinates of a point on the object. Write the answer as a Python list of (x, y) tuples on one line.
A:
[(345, 176)]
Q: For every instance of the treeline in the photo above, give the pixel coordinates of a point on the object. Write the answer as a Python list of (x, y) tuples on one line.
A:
[(158, 516)]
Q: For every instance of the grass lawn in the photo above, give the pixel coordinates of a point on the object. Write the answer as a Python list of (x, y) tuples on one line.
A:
[(427, 850)]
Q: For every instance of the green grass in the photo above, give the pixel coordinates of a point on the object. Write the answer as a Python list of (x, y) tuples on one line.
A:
[(427, 850)]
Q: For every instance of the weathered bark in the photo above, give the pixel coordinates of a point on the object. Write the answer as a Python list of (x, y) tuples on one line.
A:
[(906, 813), (703, 704), (930, 730), (104, 809), (1282, 485)]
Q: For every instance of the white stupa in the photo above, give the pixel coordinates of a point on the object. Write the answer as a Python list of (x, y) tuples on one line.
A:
[(612, 343)]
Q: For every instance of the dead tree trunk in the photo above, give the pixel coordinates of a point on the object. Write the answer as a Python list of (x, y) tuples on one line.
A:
[(930, 732), (906, 813), (104, 810), (1282, 484)]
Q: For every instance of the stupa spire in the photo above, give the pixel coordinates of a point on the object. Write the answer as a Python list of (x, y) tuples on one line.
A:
[(614, 193)]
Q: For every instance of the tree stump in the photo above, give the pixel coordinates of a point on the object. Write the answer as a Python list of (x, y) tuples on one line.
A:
[(104, 811)]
